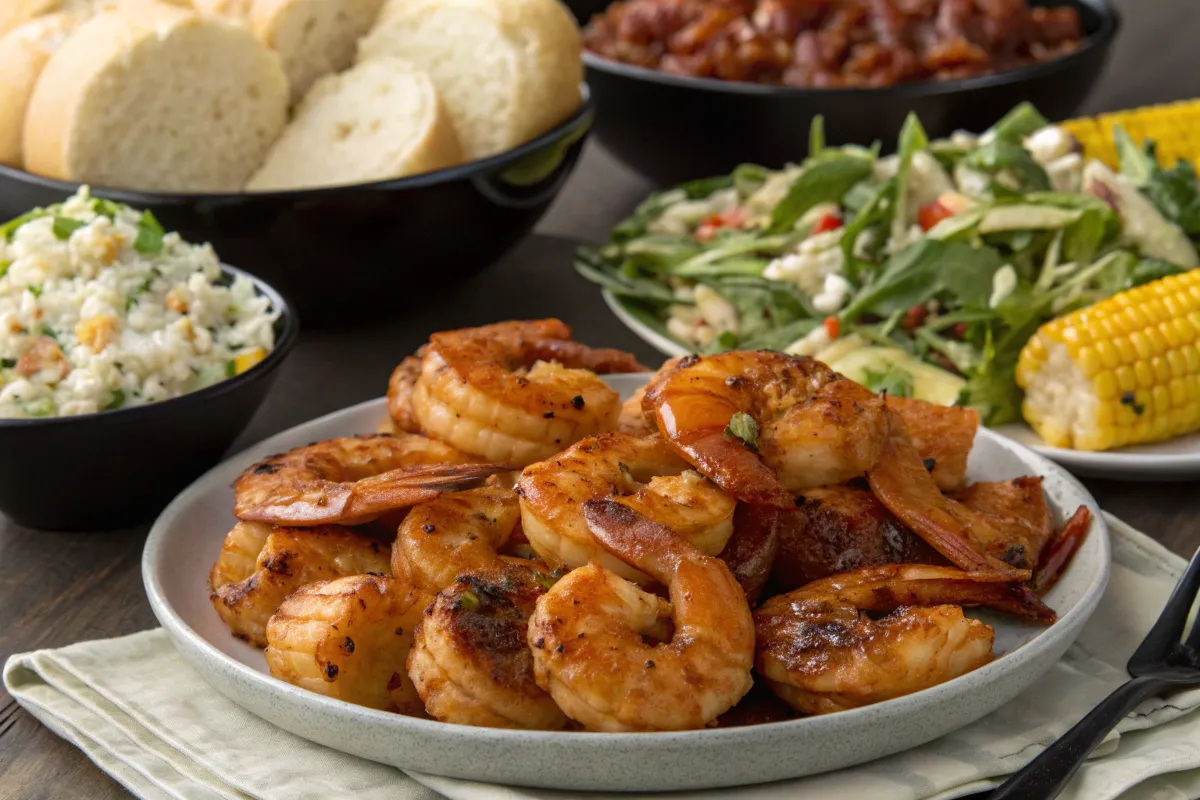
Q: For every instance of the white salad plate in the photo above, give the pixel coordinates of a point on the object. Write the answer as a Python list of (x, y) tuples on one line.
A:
[(187, 537), (1175, 460)]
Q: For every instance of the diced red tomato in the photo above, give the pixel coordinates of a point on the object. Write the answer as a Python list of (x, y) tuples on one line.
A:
[(931, 214), (959, 331), (708, 227), (832, 327), (829, 222)]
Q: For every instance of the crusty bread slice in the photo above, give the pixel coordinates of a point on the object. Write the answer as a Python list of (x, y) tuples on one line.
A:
[(313, 37), (161, 99), (24, 52), (14, 13), (382, 119), (508, 70)]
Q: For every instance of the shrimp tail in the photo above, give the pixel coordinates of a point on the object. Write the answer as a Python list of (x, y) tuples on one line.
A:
[(636, 540), (1061, 549), (735, 468)]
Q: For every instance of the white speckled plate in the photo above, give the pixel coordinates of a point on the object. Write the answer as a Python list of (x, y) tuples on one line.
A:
[(187, 537), (1176, 460)]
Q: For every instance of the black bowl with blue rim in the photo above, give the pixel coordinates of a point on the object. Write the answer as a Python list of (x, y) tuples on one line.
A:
[(674, 128), (346, 253), (119, 468)]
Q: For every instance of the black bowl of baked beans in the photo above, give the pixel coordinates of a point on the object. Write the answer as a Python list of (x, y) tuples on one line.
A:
[(686, 89)]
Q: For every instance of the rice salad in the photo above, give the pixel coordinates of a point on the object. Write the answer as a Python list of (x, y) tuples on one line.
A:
[(101, 309)]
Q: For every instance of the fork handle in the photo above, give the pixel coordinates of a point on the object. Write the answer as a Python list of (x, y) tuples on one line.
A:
[(1045, 776)]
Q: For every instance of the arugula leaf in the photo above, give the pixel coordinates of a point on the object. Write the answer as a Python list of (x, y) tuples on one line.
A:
[(1022, 121), (591, 265), (1176, 193), (895, 381), (1005, 155), (660, 252), (912, 139), (742, 426), (646, 212), (780, 336), (150, 235), (824, 180), (738, 244), (1136, 163), (875, 211), (816, 136), (63, 227), (925, 269), (762, 305)]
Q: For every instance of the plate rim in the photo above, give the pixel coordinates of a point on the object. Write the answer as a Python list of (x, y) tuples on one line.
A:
[(182, 633), (1092, 462)]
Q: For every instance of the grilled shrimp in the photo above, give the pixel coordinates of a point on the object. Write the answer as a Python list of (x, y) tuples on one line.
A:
[(400, 391), (470, 662), (349, 638), (801, 424), (1018, 511), (821, 653), (239, 553), (516, 392), (632, 420), (352, 480), (943, 435), (641, 473), (587, 633), (288, 559), (455, 534)]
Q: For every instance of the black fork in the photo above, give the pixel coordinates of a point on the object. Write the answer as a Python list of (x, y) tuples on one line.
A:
[(1163, 660)]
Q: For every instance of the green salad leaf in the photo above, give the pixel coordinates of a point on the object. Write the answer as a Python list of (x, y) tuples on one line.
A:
[(923, 270), (823, 180), (912, 139), (1006, 157), (1021, 122)]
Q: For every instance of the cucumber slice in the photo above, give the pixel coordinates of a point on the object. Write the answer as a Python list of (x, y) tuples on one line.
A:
[(928, 382)]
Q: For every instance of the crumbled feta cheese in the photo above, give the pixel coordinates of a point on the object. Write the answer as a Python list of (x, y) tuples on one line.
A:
[(971, 182), (1049, 143), (681, 217), (815, 258), (1066, 173), (1003, 284), (833, 296), (715, 310)]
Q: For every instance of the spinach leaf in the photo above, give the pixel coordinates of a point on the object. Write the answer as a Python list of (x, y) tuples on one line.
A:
[(822, 180), (912, 139), (924, 270), (1022, 121), (1006, 155)]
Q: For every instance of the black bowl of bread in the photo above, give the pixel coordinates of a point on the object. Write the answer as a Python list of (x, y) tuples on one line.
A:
[(354, 153), (728, 82)]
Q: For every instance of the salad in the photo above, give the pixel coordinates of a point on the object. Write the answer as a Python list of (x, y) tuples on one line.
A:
[(923, 272)]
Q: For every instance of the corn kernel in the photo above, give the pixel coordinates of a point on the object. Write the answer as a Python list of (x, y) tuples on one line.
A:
[(245, 361)]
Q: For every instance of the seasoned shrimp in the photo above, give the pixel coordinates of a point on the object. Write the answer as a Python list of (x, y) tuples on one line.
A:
[(801, 424), (589, 651), (400, 391), (352, 480), (904, 485), (288, 559), (349, 638), (516, 392), (455, 534), (943, 435), (1018, 511), (641, 473), (632, 420), (820, 651), (470, 662), (239, 553)]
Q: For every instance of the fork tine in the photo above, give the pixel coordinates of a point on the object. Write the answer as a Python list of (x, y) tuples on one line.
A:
[(1168, 630)]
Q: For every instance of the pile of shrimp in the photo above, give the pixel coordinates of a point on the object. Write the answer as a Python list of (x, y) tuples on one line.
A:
[(752, 537)]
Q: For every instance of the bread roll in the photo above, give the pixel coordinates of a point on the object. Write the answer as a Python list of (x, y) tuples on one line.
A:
[(507, 70), (24, 52), (14, 13), (313, 37), (382, 119), (161, 99)]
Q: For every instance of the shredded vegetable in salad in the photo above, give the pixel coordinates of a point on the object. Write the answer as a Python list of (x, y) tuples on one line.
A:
[(940, 261)]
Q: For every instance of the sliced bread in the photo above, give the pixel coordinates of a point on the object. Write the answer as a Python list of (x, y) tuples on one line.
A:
[(162, 99), (24, 52), (313, 37), (14, 13), (508, 70), (380, 120)]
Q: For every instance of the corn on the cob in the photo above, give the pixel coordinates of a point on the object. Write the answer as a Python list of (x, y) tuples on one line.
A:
[(1124, 371), (1173, 126)]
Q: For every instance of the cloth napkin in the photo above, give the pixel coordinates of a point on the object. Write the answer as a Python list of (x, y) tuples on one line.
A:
[(138, 711)]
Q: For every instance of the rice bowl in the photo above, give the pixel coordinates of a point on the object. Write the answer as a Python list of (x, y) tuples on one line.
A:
[(101, 309)]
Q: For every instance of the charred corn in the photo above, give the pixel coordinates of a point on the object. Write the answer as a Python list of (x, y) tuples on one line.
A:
[(1124, 371)]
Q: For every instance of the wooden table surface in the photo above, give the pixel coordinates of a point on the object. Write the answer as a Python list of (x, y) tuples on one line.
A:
[(56, 589)]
